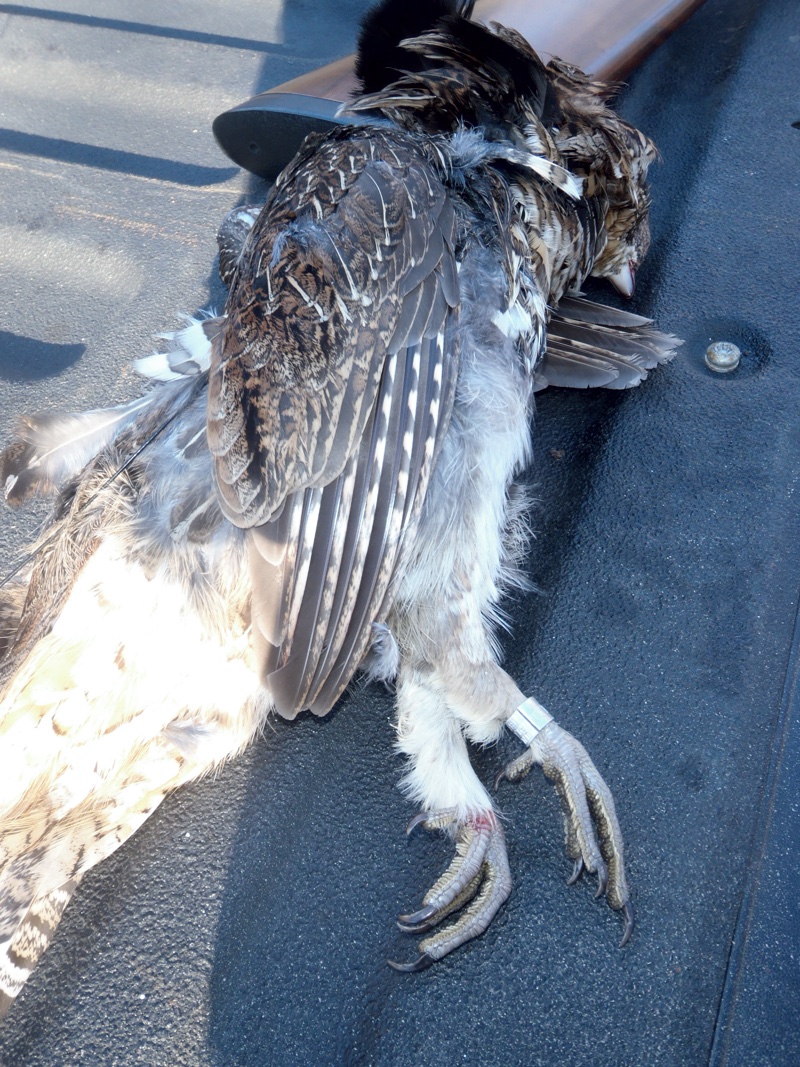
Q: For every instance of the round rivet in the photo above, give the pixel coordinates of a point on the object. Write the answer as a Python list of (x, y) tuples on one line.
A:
[(723, 357)]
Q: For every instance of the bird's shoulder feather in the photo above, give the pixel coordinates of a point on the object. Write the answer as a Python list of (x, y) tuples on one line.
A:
[(351, 260)]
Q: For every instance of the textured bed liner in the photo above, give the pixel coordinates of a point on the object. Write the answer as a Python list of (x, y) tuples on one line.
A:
[(249, 922)]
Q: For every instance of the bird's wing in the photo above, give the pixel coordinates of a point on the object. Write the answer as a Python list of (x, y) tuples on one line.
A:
[(590, 345), (328, 395)]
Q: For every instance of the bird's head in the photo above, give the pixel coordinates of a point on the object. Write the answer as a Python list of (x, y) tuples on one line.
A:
[(613, 157), (426, 67)]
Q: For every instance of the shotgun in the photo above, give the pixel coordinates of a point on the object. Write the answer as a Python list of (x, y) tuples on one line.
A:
[(606, 38)]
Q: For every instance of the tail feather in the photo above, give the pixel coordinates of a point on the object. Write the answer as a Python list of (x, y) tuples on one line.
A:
[(97, 729), (33, 934), (126, 669), (48, 852)]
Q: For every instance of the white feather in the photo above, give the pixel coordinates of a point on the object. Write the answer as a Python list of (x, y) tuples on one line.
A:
[(440, 776), (189, 352), (48, 450)]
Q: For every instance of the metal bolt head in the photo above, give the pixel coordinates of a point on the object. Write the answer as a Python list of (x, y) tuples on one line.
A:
[(723, 357)]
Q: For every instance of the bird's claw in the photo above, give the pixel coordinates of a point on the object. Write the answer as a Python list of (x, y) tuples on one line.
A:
[(499, 778), (418, 921), (420, 819), (421, 963), (627, 930), (577, 871), (477, 881), (591, 828)]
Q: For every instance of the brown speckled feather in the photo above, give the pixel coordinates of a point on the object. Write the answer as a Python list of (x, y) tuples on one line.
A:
[(358, 231), (325, 398)]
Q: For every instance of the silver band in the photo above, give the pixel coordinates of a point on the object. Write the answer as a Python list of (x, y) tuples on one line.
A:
[(529, 719)]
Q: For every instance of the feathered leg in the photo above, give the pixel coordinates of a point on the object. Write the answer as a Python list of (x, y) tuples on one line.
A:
[(441, 779), (451, 689), (438, 711)]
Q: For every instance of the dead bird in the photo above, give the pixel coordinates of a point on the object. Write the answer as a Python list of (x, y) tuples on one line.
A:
[(324, 480)]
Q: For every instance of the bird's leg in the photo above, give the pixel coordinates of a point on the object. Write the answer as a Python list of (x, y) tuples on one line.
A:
[(592, 832), (451, 689), (440, 709), (441, 778)]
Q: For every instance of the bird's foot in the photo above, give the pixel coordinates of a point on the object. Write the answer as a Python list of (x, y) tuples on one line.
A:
[(591, 828), (478, 880)]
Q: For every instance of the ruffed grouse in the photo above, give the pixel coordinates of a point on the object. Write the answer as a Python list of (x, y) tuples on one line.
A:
[(324, 480)]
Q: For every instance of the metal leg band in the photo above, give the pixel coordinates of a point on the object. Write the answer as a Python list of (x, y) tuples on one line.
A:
[(529, 719)]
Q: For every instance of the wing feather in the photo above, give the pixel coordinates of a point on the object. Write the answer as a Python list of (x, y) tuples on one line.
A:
[(326, 400), (591, 345), (434, 401), (357, 543), (318, 302), (335, 628)]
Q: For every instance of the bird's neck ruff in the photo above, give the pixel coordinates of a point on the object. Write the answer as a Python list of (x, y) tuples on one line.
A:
[(461, 73), (480, 96)]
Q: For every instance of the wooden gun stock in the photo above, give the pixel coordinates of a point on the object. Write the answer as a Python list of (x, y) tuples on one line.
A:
[(607, 38)]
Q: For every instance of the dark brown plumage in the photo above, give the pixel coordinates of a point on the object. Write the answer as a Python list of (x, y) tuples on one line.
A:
[(327, 481), (353, 260)]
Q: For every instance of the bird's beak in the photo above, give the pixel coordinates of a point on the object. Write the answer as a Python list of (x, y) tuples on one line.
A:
[(624, 281)]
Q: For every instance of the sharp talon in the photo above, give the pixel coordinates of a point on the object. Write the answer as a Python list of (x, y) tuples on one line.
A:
[(417, 917), (627, 912), (501, 777), (577, 871), (420, 818), (416, 928), (422, 963), (602, 881)]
